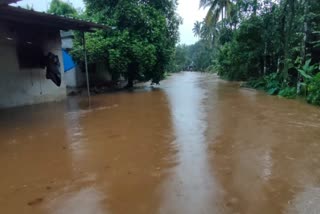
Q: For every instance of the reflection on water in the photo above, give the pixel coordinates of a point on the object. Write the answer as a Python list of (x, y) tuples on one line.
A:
[(190, 188), (85, 201), (196, 144), (306, 202), (262, 158)]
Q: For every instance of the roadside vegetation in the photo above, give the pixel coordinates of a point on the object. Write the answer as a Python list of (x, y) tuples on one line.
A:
[(273, 45), (140, 43)]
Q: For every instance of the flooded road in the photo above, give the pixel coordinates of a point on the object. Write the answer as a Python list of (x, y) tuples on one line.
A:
[(194, 145)]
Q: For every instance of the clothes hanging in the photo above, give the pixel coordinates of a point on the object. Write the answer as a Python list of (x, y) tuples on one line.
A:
[(53, 69)]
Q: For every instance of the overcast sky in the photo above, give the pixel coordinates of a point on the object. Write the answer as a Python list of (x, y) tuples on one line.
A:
[(188, 10)]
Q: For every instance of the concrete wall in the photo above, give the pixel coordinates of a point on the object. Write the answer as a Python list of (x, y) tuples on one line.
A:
[(71, 78), (67, 39), (27, 86), (75, 78)]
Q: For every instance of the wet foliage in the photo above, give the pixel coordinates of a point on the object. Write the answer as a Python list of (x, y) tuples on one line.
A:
[(140, 42), (196, 57), (59, 7), (272, 45)]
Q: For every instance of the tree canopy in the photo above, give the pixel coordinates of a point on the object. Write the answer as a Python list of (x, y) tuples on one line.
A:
[(62, 8), (140, 44)]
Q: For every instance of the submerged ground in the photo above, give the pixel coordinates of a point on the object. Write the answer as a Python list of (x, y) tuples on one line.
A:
[(195, 145)]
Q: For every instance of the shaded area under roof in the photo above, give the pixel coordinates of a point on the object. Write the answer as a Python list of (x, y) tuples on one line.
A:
[(17, 15)]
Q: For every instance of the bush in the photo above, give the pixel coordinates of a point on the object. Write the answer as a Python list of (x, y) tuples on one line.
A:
[(240, 59), (313, 88), (288, 92)]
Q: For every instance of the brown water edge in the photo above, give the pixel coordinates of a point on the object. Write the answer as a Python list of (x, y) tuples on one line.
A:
[(196, 144)]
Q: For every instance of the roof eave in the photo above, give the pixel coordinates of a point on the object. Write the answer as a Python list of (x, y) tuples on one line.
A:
[(20, 15)]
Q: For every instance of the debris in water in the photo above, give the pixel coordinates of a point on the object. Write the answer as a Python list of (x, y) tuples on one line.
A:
[(35, 201)]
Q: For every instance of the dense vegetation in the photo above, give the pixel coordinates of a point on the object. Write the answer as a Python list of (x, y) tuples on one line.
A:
[(273, 45), (61, 8), (196, 57), (140, 43)]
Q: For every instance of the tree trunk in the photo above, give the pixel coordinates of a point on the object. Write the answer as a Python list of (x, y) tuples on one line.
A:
[(222, 14), (265, 59), (288, 30), (255, 7), (131, 75), (304, 49), (130, 83), (305, 31)]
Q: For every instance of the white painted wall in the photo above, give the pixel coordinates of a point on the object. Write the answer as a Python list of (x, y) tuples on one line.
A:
[(67, 42), (26, 86), (75, 78), (71, 78)]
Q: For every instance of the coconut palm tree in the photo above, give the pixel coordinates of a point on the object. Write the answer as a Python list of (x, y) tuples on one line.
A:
[(218, 10), (203, 31), (197, 29)]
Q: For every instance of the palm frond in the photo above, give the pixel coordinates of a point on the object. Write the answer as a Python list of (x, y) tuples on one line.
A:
[(209, 3), (213, 15)]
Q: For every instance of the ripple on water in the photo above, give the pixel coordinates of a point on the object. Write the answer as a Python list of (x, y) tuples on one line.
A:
[(306, 202)]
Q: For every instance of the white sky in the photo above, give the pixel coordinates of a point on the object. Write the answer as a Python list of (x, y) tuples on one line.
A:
[(187, 9)]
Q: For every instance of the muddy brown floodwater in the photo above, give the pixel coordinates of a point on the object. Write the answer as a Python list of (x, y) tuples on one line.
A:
[(194, 145)]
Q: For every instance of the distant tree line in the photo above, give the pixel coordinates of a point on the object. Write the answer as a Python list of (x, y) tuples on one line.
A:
[(196, 57)]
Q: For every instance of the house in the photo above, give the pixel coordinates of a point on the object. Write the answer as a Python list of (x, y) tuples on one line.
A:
[(27, 40), (74, 76)]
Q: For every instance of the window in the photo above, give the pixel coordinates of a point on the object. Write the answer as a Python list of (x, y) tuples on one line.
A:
[(30, 55)]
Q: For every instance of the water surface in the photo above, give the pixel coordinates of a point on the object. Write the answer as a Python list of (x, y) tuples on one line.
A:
[(194, 145)]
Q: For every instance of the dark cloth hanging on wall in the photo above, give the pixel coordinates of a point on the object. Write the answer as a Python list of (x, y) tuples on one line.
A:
[(53, 69)]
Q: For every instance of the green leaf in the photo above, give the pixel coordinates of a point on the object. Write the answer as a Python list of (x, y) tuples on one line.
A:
[(304, 74), (272, 91), (306, 65)]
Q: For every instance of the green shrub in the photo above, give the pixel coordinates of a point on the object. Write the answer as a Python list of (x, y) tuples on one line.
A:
[(273, 83), (288, 92), (313, 88)]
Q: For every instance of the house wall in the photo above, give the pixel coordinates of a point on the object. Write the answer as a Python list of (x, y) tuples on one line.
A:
[(27, 86), (71, 78), (75, 78), (67, 39)]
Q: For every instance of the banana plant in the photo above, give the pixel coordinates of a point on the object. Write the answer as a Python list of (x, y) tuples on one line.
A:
[(307, 70)]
